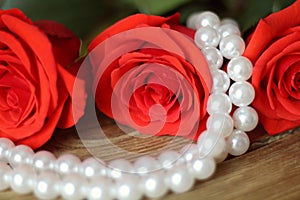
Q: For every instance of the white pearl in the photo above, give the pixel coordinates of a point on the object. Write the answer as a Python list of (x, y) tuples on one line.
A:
[(229, 21), (22, 179), (145, 164), (192, 19), (167, 159), (213, 57), (207, 18), (127, 188), (238, 143), (228, 29), (240, 68), (120, 168), (21, 154), (232, 46), (221, 157), (207, 37), (202, 169), (5, 147), (245, 118), (210, 144), (43, 160), (67, 163), (189, 152), (221, 81), (241, 93), (92, 167), (153, 184), (221, 124), (179, 180), (47, 185), (218, 103), (4, 171), (99, 189), (71, 186)]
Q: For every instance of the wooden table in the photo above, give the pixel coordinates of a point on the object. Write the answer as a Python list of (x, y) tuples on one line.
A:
[(270, 170)]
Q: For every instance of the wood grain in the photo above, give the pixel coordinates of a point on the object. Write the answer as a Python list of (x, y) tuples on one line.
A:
[(271, 169)]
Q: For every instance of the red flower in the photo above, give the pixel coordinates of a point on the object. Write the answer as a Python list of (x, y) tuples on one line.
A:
[(151, 76), (274, 48), (35, 83)]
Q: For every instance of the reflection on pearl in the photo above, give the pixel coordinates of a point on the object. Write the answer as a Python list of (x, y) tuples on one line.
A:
[(43, 160), (5, 147), (179, 180), (221, 81), (21, 154), (168, 158), (202, 169), (47, 185), (232, 46), (241, 93), (189, 152), (4, 171), (210, 144), (245, 118), (145, 164), (67, 163), (99, 189), (71, 186), (218, 103), (192, 19), (219, 123), (127, 188), (207, 18), (238, 143), (229, 21), (153, 184), (239, 69), (120, 168), (213, 57), (92, 167), (22, 179), (228, 29), (207, 37)]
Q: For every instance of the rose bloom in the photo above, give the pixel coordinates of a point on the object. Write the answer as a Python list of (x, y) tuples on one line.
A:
[(149, 75), (274, 49), (35, 82)]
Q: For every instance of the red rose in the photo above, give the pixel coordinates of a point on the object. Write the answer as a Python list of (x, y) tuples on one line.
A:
[(149, 75), (274, 49), (35, 83)]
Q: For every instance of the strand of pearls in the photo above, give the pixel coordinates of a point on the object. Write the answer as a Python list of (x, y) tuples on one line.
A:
[(67, 176)]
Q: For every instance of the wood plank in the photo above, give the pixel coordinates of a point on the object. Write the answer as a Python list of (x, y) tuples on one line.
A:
[(271, 171)]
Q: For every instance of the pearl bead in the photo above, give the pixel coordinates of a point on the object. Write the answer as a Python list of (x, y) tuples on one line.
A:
[(145, 164), (43, 160), (241, 93), (167, 159), (22, 179), (71, 186), (202, 169), (4, 181), (92, 167), (207, 37), (153, 184), (210, 144), (221, 81), (47, 185), (179, 180), (128, 188), (239, 68), (232, 46), (245, 118), (207, 18), (99, 189), (213, 57), (218, 103), (192, 19), (21, 154), (67, 163), (238, 143), (228, 29), (221, 157), (229, 21), (189, 152), (120, 168), (221, 124), (5, 147)]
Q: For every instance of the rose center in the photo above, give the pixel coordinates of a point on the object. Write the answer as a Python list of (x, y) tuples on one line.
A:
[(296, 82)]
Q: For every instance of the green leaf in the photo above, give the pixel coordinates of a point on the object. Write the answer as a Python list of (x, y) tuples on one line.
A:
[(80, 16), (280, 4), (156, 7)]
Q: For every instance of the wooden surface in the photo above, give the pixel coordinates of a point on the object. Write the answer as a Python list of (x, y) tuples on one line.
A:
[(270, 170)]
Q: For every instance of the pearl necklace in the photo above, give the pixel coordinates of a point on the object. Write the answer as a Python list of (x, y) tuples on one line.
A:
[(47, 177)]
